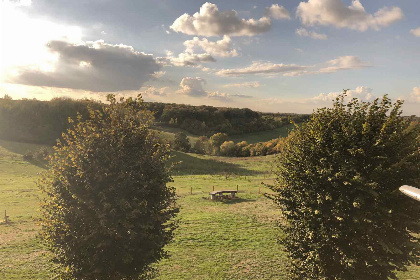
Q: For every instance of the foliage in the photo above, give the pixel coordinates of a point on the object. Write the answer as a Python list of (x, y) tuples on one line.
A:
[(228, 148), (201, 145), (42, 122), (208, 120), (181, 142), (337, 183), (108, 210)]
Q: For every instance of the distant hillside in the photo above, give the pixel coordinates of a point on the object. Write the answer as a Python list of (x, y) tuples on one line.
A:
[(207, 120), (42, 122)]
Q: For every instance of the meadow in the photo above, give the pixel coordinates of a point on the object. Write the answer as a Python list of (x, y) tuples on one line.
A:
[(232, 239)]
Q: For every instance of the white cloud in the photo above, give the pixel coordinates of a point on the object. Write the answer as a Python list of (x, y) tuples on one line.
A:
[(336, 13), (222, 96), (187, 58), (246, 85), (415, 95), (153, 91), (307, 33), (277, 12), (192, 86), (211, 22), (362, 92), (263, 68), (416, 31), (94, 66), (221, 48), (293, 70), (219, 96), (344, 63)]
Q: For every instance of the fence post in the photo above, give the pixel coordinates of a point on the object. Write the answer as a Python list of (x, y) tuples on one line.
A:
[(191, 190), (213, 188), (5, 216), (259, 190), (237, 187)]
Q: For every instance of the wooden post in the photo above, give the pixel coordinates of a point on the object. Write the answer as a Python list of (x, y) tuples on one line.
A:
[(213, 188), (191, 190), (5, 216), (259, 190)]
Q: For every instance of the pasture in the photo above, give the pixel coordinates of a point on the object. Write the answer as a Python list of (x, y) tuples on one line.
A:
[(233, 239)]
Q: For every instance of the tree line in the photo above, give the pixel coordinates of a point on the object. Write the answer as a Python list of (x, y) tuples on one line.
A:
[(208, 120), (219, 144), (35, 121)]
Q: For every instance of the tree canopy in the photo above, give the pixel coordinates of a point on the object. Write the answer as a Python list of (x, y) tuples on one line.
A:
[(108, 211), (337, 183)]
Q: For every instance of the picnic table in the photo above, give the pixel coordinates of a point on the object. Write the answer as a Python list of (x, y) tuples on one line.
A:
[(219, 194)]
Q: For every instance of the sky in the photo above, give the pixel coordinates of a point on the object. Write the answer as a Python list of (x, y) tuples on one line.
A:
[(288, 56)]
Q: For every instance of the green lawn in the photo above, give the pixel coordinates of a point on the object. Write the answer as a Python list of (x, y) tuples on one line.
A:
[(215, 240), (263, 136), (169, 133)]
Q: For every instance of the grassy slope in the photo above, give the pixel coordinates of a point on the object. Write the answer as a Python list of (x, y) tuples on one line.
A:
[(215, 240), (169, 133), (263, 136), (20, 249)]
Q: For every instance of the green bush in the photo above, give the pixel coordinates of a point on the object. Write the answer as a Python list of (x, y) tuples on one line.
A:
[(181, 142), (108, 210), (337, 183)]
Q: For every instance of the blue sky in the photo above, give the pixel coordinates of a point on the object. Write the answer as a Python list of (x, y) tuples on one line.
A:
[(281, 56)]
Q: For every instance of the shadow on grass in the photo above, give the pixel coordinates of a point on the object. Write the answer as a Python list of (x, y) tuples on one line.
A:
[(237, 200), (40, 163), (21, 147), (198, 165)]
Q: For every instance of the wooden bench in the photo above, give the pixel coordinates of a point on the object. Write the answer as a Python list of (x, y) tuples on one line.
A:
[(218, 194)]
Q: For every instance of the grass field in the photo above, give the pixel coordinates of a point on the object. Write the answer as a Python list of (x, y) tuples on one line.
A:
[(263, 136), (215, 240)]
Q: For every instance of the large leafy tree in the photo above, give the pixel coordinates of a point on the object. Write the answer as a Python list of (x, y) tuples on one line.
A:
[(337, 183), (108, 212)]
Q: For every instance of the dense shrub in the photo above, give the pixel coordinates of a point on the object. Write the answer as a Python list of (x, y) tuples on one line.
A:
[(337, 184), (200, 146), (181, 142), (228, 148), (108, 210)]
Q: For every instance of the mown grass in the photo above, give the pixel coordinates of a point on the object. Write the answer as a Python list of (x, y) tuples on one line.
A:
[(263, 136), (234, 239), (168, 133)]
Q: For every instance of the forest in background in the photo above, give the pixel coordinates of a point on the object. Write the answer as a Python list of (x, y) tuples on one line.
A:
[(42, 122)]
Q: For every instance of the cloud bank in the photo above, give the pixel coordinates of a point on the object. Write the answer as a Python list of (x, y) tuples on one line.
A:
[(212, 22), (337, 14), (221, 48), (262, 68), (93, 66), (292, 70), (192, 87)]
